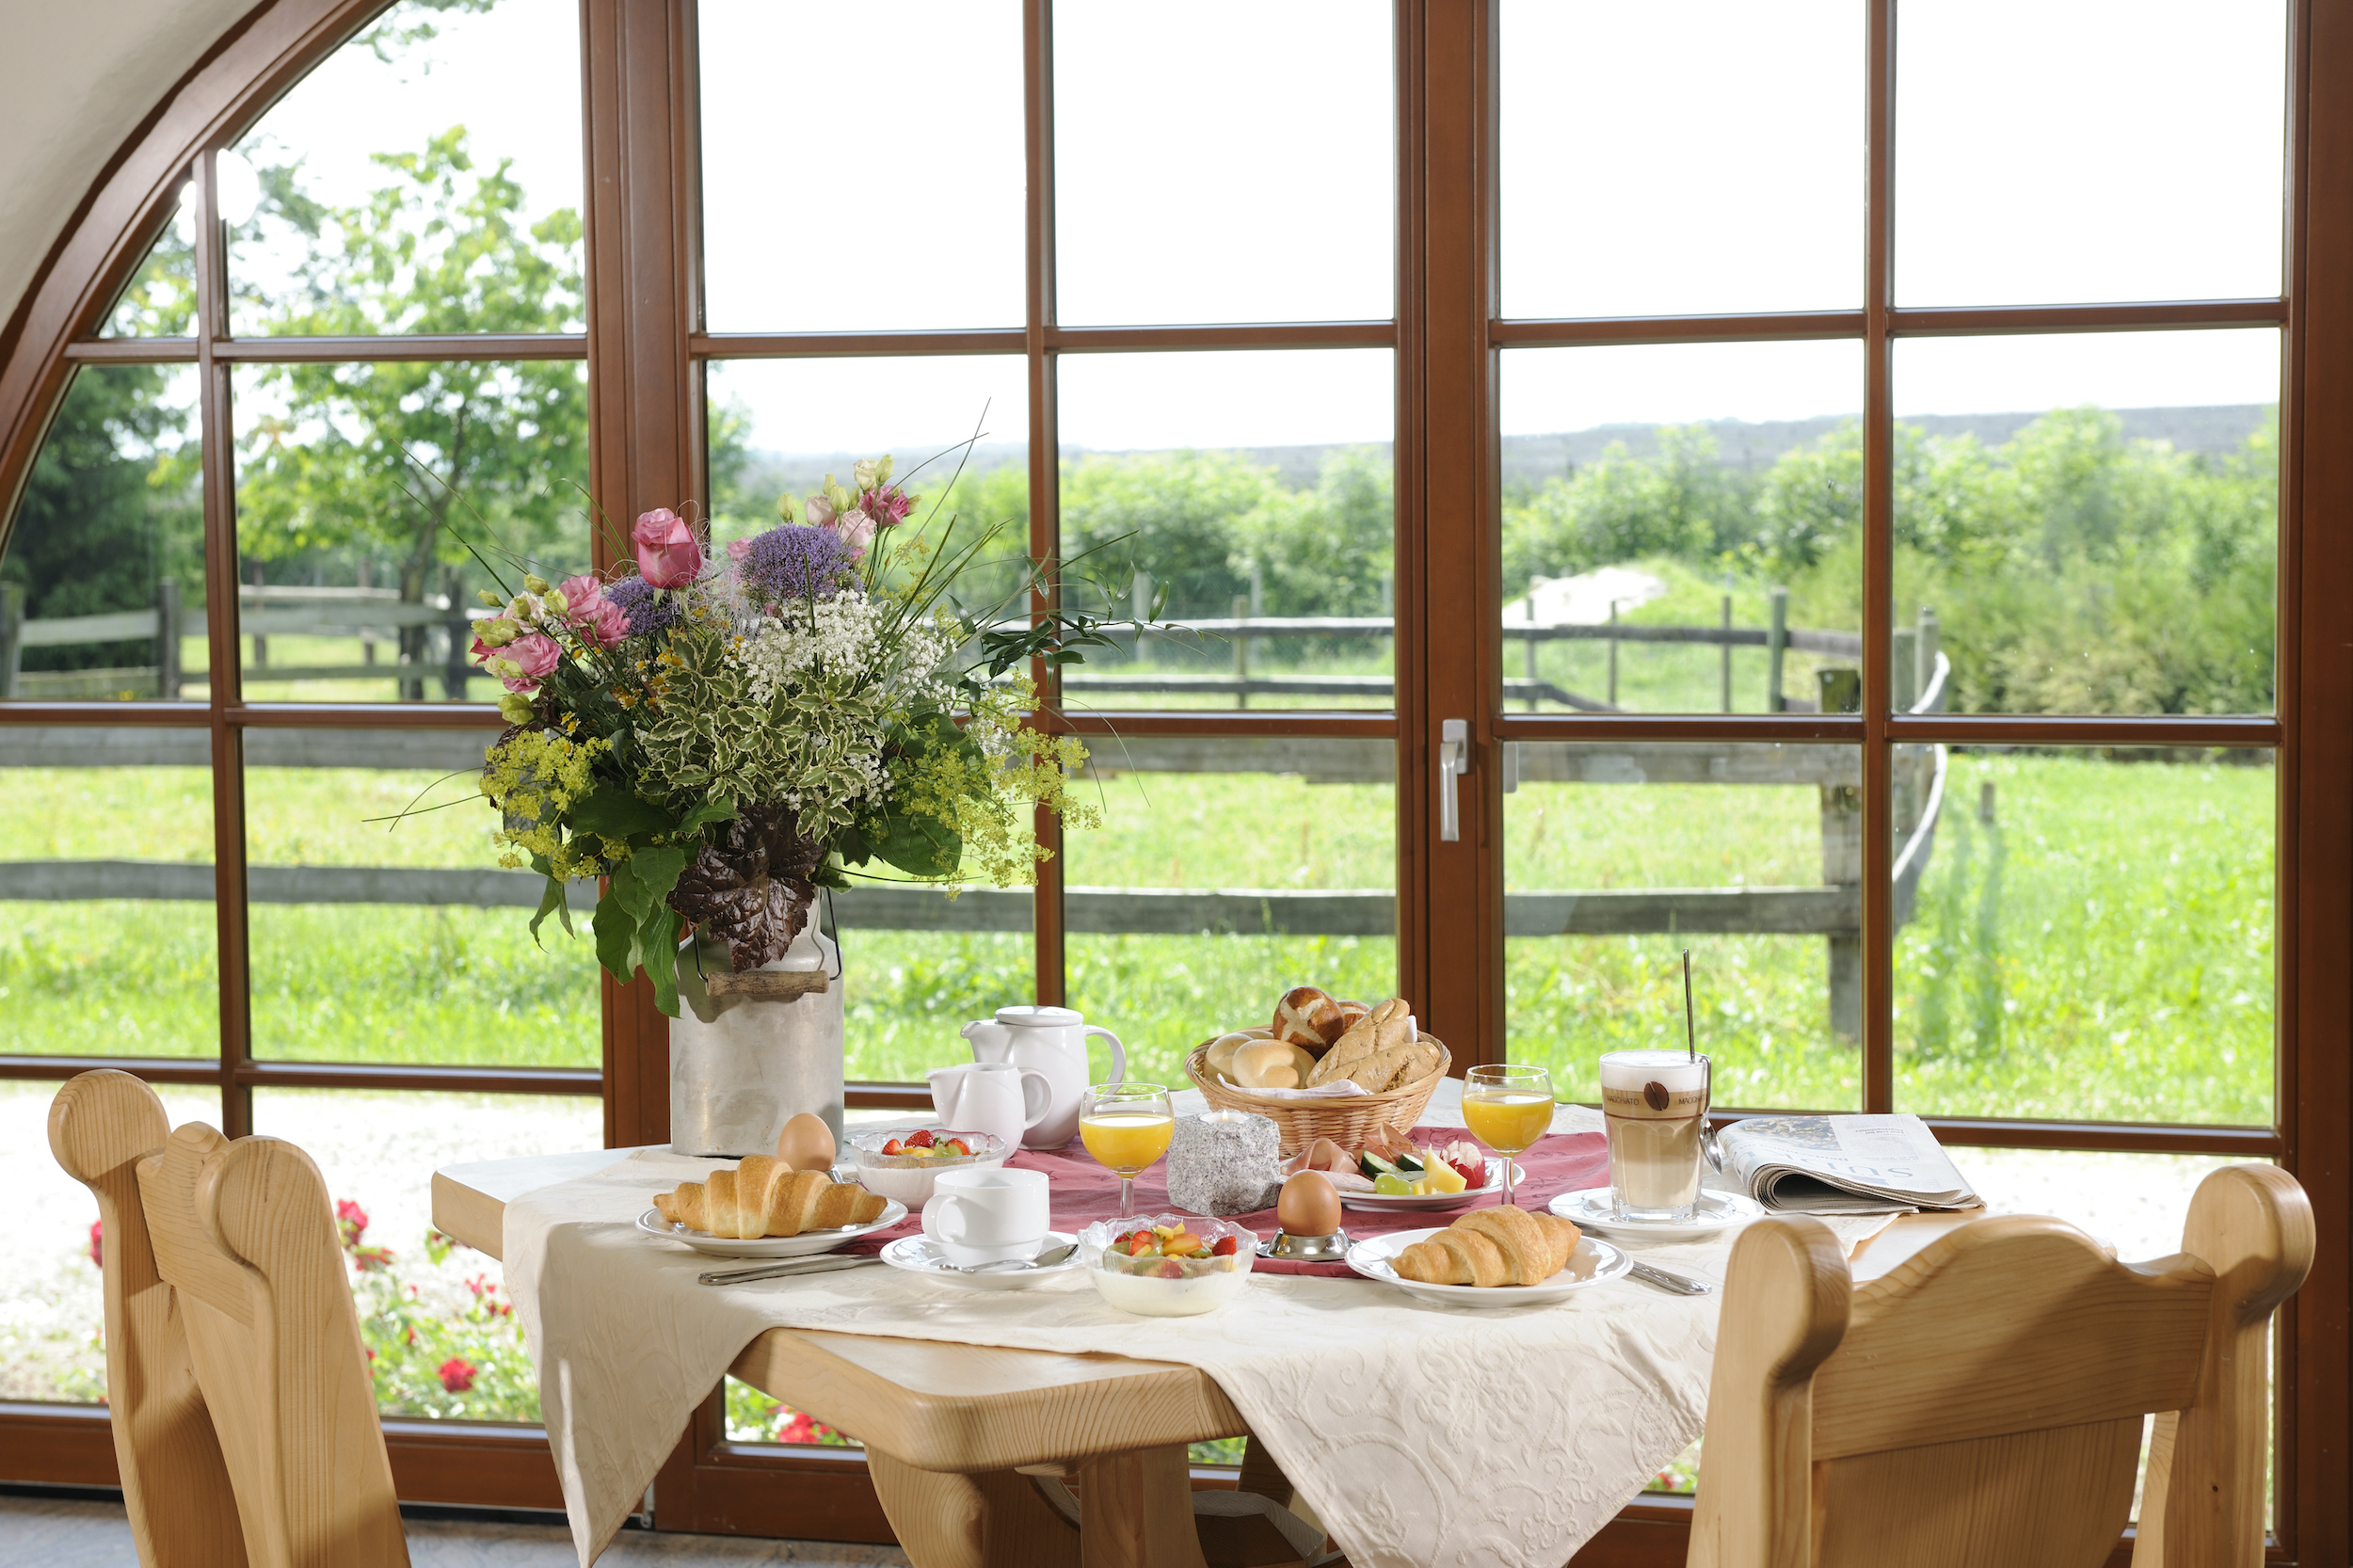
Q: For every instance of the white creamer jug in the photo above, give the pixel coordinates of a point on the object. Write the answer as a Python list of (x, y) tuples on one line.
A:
[(1051, 1041), (991, 1096)]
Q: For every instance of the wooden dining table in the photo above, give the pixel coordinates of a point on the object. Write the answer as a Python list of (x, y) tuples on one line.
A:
[(957, 1436)]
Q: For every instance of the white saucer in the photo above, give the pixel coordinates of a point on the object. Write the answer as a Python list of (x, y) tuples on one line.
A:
[(809, 1241), (1432, 1202), (1591, 1209), (1593, 1262), (920, 1255)]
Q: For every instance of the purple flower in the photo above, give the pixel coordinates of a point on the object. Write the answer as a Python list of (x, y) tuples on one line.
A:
[(648, 610), (796, 562)]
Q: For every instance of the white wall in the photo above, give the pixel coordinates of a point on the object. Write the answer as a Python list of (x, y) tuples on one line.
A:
[(76, 77)]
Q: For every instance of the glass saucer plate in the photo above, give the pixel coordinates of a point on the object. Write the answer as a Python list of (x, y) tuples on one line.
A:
[(1591, 1209), (920, 1255)]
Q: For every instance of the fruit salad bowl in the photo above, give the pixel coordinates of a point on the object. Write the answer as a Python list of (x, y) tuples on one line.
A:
[(909, 1170), (1168, 1265)]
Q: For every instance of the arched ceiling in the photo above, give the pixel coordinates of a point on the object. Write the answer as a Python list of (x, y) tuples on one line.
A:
[(75, 81)]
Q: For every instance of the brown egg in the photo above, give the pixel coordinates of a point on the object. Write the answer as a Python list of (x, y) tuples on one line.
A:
[(1310, 1205), (806, 1143)]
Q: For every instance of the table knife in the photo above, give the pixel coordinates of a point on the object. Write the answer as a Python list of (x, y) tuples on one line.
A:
[(788, 1267), (1667, 1279)]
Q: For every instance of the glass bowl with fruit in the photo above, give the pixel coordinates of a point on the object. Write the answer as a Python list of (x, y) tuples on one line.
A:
[(1168, 1265), (903, 1163)]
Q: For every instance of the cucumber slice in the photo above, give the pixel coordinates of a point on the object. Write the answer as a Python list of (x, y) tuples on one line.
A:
[(1410, 1163), (1375, 1166)]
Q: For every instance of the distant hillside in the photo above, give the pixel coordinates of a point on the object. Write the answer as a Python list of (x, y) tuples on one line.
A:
[(1532, 459)]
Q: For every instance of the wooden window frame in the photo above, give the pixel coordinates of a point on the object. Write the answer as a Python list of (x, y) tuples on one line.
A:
[(646, 352)]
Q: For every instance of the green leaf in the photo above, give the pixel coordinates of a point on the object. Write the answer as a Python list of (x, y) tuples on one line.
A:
[(658, 870), (611, 812), (616, 932), (657, 947), (920, 846), (717, 809), (551, 902)]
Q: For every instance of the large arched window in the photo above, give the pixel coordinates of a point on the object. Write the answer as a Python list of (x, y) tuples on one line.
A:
[(1862, 474)]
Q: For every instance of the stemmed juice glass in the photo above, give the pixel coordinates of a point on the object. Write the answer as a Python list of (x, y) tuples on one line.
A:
[(1125, 1126), (1507, 1106)]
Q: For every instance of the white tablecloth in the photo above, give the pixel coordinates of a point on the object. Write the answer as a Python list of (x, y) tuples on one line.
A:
[(1418, 1435)]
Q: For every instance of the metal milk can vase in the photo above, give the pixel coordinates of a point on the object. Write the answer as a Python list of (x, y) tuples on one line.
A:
[(750, 1051)]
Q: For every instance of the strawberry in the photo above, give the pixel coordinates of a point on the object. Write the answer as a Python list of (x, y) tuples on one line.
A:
[(1170, 1269), (1226, 1247), (921, 1140), (894, 1147)]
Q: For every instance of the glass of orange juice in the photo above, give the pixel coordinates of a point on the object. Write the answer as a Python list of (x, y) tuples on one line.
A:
[(1125, 1126), (1507, 1106)]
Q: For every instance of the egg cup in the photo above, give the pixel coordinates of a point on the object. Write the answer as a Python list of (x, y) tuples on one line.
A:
[(1305, 1249)]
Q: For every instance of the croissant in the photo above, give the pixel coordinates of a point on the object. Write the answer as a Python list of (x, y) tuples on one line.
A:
[(1491, 1247), (764, 1196)]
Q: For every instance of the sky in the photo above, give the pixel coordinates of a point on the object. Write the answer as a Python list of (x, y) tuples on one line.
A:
[(863, 169)]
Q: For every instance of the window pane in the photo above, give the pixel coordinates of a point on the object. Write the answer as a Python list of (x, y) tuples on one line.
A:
[(1229, 870), (52, 1296), (1244, 485), (2072, 151), (1665, 508), (1618, 855), (425, 178), (108, 546), (359, 488), (916, 176), (444, 1341), (160, 299), (1608, 111), (2085, 936), (1173, 122), (382, 941), (107, 930), (2093, 518)]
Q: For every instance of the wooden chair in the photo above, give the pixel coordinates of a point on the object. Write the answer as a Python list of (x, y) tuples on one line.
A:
[(1982, 1405), (244, 1234)]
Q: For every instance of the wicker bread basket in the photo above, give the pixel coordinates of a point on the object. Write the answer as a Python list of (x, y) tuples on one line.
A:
[(1350, 1123)]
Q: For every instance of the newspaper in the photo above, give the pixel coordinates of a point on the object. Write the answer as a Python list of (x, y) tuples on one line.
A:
[(1842, 1164)]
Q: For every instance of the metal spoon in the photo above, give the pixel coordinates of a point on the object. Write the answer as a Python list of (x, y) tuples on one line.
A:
[(1667, 1279), (1011, 1265)]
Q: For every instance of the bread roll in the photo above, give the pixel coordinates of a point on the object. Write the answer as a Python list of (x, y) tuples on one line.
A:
[(1266, 1064), (1309, 1017), (1220, 1057)]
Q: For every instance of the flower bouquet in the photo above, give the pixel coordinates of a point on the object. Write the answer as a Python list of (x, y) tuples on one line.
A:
[(720, 738)]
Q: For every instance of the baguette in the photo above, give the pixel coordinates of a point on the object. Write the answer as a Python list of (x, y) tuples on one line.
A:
[(764, 1196)]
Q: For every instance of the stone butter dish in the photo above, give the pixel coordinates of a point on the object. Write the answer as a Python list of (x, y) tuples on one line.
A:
[(1225, 1162)]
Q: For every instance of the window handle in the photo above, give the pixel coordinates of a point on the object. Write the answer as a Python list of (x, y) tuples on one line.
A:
[(1453, 761)]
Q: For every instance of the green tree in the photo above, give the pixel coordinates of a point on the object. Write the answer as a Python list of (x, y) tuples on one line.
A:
[(1328, 551), (1681, 503), (440, 248)]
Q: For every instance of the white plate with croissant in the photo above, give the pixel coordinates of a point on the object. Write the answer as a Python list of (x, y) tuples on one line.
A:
[(765, 1208), (1496, 1256)]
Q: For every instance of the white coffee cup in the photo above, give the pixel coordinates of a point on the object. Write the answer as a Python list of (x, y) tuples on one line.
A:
[(986, 1215)]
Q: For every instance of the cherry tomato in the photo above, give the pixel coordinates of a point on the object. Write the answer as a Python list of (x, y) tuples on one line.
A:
[(921, 1140)]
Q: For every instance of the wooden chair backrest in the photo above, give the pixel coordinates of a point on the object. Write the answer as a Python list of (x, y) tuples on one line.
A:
[(1982, 1405), (244, 1233), (175, 1486)]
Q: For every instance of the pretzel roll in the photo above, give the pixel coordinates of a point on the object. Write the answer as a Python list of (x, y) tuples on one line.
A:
[(1306, 1017)]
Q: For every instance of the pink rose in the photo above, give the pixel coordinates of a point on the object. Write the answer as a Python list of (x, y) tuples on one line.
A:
[(888, 507), (534, 657), (857, 529), (667, 555), (819, 512), (582, 594), (738, 549), (606, 624)]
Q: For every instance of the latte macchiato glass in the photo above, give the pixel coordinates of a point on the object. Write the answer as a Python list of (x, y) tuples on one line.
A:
[(1655, 1104)]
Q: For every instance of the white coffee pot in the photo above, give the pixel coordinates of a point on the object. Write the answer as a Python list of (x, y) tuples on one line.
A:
[(991, 1096), (1051, 1041)]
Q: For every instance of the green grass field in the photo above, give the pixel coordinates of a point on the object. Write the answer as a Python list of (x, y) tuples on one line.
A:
[(2101, 949)]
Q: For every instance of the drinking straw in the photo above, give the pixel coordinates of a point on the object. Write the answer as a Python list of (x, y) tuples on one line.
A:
[(1691, 1036)]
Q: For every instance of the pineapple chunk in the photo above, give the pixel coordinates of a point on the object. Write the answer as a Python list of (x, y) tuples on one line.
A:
[(1442, 1177)]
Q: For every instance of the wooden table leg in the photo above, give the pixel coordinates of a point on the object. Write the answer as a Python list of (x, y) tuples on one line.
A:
[(995, 1520), (1136, 1511)]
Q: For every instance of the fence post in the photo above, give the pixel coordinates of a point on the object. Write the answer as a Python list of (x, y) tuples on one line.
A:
[(1842, 867), (1776, 644), (1613, 657), (1241, 654), (261, 643), (167, 640), (1726, 678), (11, 636), (454, 672), (1528, 649), (1930, 630), (1903, 669)]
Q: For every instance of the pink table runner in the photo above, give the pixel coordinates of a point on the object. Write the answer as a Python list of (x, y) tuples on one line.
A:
[(1083, 1192)]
